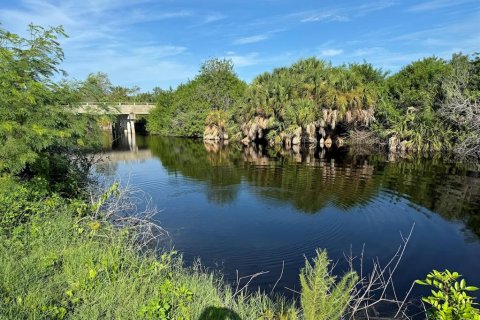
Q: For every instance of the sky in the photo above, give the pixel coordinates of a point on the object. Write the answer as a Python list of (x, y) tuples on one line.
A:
[(161, 43)]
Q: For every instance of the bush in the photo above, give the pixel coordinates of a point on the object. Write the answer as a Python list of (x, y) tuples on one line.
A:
[(322, 297), (449, 299), (19, 202)]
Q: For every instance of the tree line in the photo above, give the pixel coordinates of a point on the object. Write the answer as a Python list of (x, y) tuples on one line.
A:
[(429, 105)]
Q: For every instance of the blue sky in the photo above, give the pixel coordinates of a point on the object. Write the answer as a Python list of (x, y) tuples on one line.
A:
[(162, 43)]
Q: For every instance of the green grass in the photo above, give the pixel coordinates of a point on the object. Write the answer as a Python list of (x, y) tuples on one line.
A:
[(55, 265)]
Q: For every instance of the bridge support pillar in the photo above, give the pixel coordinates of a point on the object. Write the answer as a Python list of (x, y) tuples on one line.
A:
[(124, 128), (131, 123), (131, 132)]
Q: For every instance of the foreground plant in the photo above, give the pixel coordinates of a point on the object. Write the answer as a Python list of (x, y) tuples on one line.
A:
[(322, 297), (449, 299)]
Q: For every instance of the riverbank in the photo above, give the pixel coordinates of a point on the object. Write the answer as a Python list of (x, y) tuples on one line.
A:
[(430, 105), (59, 262)]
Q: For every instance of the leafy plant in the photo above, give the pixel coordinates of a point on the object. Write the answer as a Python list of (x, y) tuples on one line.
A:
[(322, 297), (172, 298), (39, 133), (450, 299), (217, 118)]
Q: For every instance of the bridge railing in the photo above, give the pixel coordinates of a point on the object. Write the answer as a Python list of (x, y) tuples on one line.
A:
[(115, 107)]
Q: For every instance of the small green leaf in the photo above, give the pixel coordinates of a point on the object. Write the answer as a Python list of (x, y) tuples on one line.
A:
[(471, 288)]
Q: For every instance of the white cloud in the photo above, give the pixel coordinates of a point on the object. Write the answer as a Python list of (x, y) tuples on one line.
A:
[(138, 66), (136, 16), (437, 4), (103, 38), (324, 16), (272, 60), (214, 17), (251, 39), (98, 41), (330, 52), (364, 52), (445, 37), (383, 57), (370, 7), (244, 60), (158, 51), (346, 13)]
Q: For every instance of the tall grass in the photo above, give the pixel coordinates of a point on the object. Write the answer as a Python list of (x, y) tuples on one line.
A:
[(57, 266)]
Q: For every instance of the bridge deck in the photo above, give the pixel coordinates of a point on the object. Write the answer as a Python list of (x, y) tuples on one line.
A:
[(115, 108)]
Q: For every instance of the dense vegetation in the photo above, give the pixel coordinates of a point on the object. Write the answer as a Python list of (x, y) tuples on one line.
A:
[(210, 98), (429, 105), (62, 256), (59, 261), (39, 135)]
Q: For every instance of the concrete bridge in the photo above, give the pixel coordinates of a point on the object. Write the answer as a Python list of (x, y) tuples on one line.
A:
[(126, 113), (125, 108)]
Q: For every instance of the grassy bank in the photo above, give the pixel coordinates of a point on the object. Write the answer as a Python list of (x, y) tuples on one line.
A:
[(62, 258), (60, 263)]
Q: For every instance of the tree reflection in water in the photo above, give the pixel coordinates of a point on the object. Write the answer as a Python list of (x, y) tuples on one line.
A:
[(309, 179)]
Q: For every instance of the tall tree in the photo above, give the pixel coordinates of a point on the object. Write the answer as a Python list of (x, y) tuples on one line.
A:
[(36, 126)]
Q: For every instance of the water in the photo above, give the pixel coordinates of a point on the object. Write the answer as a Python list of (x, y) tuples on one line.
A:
[(248, 210)]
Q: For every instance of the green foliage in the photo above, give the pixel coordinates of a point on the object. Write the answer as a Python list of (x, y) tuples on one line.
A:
[(418, 84), (408, 109), (459, 107), (217, 118), (97, 87), (189, 111), (218, 85), (450, 299), (39, 134), (183, 112), (407, 105), (322, 298), (474, 83), (343, 88), (299, 113), (62, 263), (413, 103), (172, 300), (159, 120), (19, 202), (308, 91)]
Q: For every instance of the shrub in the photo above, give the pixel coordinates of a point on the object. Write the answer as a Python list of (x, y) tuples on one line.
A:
[(449, 299), (322, 297)]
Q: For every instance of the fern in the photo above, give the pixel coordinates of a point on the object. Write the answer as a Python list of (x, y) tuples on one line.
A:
[(322, 297)]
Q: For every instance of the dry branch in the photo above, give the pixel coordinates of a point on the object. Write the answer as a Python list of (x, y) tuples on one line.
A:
[(377, 288), (129, 208)]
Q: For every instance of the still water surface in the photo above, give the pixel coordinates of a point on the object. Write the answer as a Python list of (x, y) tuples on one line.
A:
[(250, 210)]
